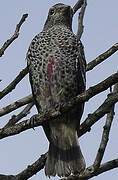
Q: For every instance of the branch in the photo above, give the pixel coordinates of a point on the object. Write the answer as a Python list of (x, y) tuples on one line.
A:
[(100, 87), (15, 35), (102, 57), (89, 172), (32, 169), (29, 171), (77, 6), (107, 166), (38, 120), (13, 84), (40, 163), (6, 177), (92, 91), (80, 20), (100, 112), (105, 135), (104, 140), (16, 118), (90, 66), (4, 132), (16, 105)]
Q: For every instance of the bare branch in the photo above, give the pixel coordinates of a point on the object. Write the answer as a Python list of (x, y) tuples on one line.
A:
[(80, 20), (100, 112), (27, 124), (105, 135), (7, 177), (77, 6), (13, 84), (16, 118), (40, 163), (90, 172), (102, 57), (12, 129), (81, 98), (38, 120), (104, 140), (16, 105), (102, 86), (92, 91), (15, 35), (107, 166), (32, 169), (29, 171), (90, 66)]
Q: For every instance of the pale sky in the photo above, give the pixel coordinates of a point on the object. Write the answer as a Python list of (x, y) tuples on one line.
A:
[(100, 33)]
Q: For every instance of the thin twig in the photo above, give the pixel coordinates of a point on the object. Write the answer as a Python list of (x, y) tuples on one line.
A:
[(102, 57), (104, 140), (16, 105), (16, 118), (80, 20), (105, 135), (13, 84), (15, 35), (77, 6)]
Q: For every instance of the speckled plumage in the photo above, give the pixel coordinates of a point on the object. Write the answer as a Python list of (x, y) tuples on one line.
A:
[(56, 65)]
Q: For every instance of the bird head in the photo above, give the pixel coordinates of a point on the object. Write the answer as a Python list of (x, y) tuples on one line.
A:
[(59, 14)]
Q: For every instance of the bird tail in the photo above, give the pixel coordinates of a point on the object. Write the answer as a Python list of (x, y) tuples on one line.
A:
[(64, 155)]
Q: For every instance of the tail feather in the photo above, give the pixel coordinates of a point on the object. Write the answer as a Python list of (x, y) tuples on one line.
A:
[(65, 160)]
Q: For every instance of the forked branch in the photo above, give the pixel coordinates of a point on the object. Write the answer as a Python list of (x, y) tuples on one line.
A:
[(13, 84), (102, 57), (16, 105), (105, 135), (77, 6), (38, 120), (18, 117), (15, 35)]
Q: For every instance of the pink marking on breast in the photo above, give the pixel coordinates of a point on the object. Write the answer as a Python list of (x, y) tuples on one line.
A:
[(50, 68)]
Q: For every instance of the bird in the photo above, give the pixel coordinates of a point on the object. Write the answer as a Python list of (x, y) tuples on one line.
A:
[(57, 73)]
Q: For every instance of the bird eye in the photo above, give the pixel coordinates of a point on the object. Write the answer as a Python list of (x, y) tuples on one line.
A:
[(51, 11)]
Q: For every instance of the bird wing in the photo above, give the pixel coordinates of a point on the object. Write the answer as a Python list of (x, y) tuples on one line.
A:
[(81, 68)]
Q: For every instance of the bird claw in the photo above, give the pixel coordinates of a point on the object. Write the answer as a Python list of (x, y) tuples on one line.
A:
[(33, 120)]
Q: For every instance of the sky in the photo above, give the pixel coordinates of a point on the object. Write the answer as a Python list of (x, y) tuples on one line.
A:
[(100, 33)]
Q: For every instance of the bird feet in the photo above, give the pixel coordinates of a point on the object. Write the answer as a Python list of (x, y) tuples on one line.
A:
[(33, 120)]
